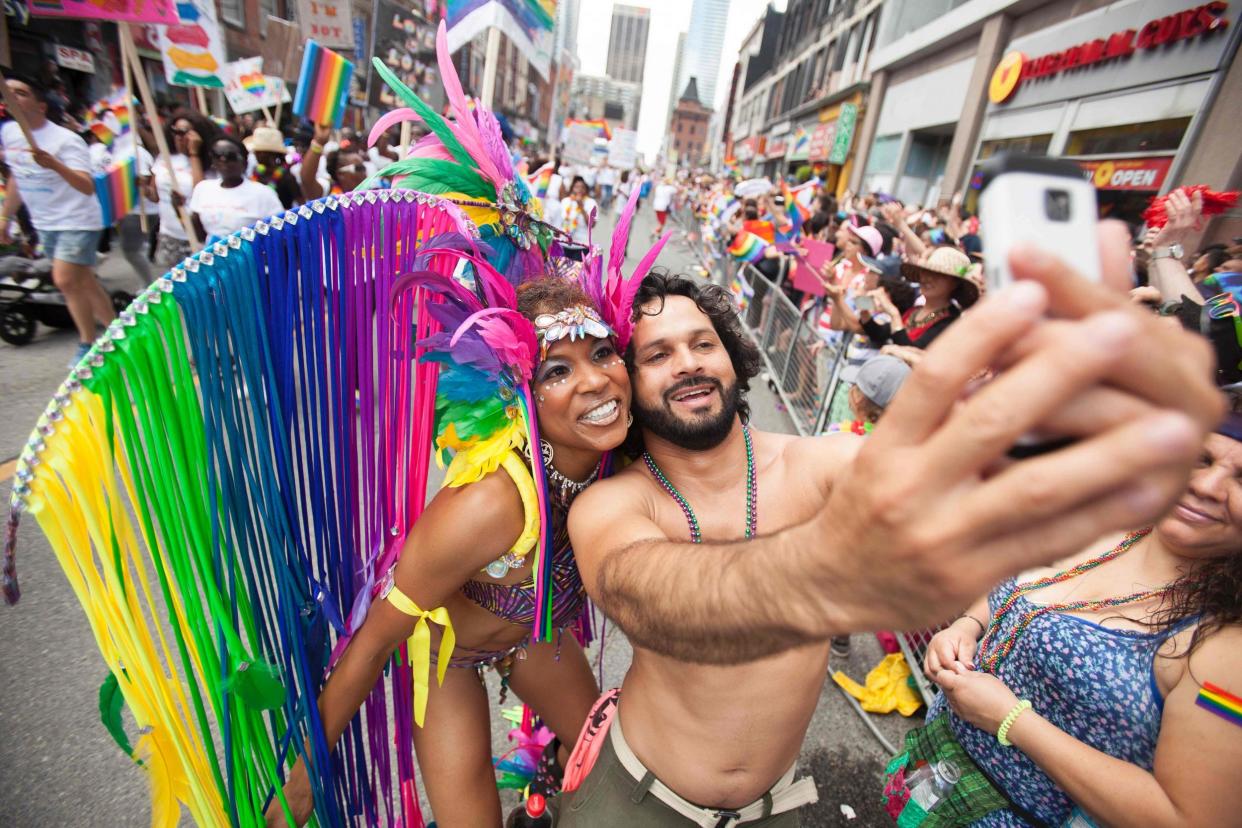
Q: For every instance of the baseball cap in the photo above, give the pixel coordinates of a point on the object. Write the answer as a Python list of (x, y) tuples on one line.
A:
[(880, 377), (869, 236)]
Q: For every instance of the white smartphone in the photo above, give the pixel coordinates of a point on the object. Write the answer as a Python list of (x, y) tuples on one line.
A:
[(865, 303), (1046, 202)]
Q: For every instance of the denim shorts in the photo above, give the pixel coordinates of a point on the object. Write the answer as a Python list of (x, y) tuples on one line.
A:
[(78, 247)]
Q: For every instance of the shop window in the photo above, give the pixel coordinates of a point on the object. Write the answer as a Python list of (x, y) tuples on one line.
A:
[(233, 12), (1153, 136), (1030, 145), (883, 156)]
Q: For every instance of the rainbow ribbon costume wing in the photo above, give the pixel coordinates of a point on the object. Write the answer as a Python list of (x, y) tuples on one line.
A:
[(242, 454)]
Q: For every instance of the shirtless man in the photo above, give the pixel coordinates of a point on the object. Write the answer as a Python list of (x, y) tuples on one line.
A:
[(731, 637)]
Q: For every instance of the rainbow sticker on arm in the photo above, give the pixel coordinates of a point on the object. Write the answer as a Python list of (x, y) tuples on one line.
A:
[(1221, 702), (323, 86)]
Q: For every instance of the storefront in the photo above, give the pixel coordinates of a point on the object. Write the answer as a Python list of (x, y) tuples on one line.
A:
[(775, 149), (1116, 90), (832, 142), (918, 116)]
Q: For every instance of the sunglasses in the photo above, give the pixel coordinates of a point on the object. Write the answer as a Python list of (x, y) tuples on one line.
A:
[(227, 156), (179, 132), (351, 168)]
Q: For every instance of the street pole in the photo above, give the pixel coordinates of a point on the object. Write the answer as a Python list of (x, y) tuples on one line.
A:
[(489, 66)]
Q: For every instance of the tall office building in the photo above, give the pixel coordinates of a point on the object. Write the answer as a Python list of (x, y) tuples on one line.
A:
[(674, 90), (627, 43), (565, 33), (700, 57)]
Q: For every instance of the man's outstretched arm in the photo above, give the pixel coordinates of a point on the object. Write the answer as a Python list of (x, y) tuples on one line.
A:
[(926, 519)]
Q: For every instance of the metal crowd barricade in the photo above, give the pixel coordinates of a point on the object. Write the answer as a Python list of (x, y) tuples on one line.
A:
[(804, 371)]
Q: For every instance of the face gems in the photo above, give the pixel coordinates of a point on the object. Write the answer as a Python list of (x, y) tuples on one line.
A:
[(578, 322)]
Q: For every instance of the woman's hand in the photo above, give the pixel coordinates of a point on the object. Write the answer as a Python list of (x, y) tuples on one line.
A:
[(894, 214), (322, 134), (193, 142), (1185, 216), (885, 303), (980, 698), (955, 644)]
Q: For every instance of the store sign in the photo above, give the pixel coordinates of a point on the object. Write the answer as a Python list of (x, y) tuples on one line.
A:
[(821, 141), (1127, 173), (777, 147), (745, 150), (78, 60), (799, 145), (1017, 68), (844, 134)]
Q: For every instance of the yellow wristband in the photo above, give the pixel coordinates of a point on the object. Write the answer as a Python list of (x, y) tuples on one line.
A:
[(1002, 732)]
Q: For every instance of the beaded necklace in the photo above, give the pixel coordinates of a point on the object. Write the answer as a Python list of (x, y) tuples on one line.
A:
[(752, 512), (993, 651)]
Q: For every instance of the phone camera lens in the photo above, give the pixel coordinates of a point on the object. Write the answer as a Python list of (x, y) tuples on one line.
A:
[(1057, 205)]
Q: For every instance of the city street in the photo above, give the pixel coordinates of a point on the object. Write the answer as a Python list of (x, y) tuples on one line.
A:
[(59, 766)]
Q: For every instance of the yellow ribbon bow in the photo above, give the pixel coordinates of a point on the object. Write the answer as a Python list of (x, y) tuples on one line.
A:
[(418, 646)]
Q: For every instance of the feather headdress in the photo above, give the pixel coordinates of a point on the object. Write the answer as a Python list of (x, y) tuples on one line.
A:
[(464, 160)]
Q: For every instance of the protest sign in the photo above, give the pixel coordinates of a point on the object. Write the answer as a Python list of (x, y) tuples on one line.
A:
[(579, 144), (248, 89), (327, 22), (623, 149), (193, 51), (131, 11)]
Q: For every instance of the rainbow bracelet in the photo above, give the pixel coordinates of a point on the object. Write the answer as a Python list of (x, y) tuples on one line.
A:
[(1002, 732)]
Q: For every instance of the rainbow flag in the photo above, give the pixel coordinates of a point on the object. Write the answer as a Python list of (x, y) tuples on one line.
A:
[(741, 290), (109, 118), (323, 86), (747, 247), (539, 182), (117, 191), (1221, 702), (597, 124)]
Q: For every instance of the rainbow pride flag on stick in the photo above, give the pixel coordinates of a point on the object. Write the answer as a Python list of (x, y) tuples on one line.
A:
[(323, 86), (117, 191), (539, 181)]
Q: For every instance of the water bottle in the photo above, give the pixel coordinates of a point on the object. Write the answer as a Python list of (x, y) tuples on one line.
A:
[(931, 784), (533, 814)]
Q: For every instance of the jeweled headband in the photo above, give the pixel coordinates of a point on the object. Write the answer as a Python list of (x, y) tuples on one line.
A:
[(576, 322)]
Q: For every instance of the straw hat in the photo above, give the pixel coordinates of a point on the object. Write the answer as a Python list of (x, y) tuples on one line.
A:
[(266, 139), (946, 261)]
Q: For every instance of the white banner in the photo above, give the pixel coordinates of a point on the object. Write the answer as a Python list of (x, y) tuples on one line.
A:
[(328, 23), (623, 149), (193, 51), (579, 144), (248, 89)]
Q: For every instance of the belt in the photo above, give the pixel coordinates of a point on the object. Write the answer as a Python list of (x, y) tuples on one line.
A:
[(785, 795)]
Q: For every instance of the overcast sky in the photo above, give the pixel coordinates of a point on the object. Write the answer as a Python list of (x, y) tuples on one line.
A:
[(668, 18)]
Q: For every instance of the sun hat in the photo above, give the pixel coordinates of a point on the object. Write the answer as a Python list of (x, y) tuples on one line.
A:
[(869, 237), (265, 139), (946, 261)]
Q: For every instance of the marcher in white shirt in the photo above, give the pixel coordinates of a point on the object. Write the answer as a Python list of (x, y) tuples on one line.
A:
[(54, 181), (576, 211)]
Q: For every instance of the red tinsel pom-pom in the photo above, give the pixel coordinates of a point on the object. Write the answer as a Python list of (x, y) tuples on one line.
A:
[(1214, 203)]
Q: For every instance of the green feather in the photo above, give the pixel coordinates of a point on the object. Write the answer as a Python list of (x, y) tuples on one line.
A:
[(110, 704), (435, 176), (433, 121)]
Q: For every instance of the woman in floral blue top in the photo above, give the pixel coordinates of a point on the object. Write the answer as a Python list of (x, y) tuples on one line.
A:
[(1112, 649)]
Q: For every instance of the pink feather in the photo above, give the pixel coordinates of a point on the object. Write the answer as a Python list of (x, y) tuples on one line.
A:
[(621, 294), (513, 340), (464, 128), (621, 234), (430, 146), (388, 119)]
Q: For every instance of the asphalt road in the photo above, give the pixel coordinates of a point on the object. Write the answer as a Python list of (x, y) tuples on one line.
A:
[(58, 766)]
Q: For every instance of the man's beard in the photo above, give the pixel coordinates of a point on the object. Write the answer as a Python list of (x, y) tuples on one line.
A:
[(699, 434)]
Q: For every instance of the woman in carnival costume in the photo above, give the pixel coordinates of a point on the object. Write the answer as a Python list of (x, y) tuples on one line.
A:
[(551, 348)]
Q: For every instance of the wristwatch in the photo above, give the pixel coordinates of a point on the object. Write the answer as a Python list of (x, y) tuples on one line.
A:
[(1173, 251)]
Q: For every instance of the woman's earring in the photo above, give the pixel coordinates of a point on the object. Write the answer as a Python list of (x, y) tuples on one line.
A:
[(540, 397), (545, 448), (629, 421)]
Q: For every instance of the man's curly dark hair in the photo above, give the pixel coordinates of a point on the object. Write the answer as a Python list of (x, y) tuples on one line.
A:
[(717, 304)]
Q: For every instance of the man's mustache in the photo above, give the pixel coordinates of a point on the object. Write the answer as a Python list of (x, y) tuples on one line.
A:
[(692, 382)]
